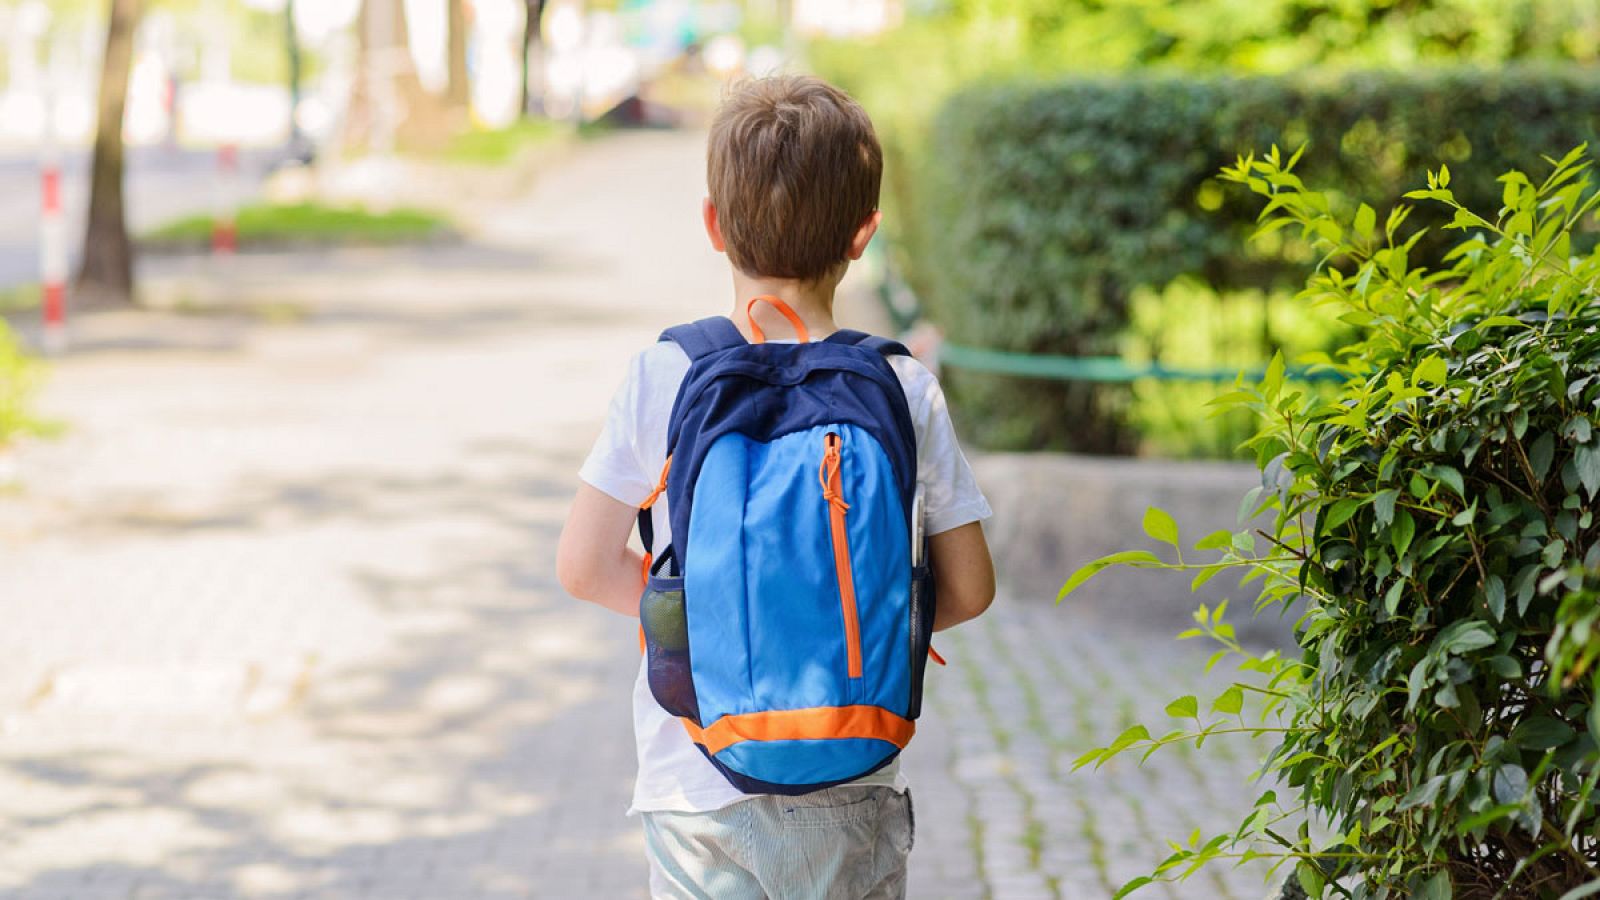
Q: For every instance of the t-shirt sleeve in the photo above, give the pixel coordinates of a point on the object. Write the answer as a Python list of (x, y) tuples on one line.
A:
[(615, 465), (950, 494)]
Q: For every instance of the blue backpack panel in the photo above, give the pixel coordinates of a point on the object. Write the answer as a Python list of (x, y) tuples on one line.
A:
[(785, 624)]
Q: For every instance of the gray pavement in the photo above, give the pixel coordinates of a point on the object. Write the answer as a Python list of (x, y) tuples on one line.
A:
[(284, 623)]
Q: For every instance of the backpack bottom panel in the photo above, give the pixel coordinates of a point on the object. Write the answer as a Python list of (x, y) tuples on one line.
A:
[(800, 767)]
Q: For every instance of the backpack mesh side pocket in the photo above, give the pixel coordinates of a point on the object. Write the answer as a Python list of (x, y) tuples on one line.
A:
[(666, 635)]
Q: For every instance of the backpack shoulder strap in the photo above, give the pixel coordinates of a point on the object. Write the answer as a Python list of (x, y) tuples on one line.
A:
[(882, 345), (707, 336)]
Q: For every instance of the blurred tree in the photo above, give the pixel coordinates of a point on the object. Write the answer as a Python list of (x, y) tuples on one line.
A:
[(291, 45), (106, 273), (459, 92), (389, 107), (1276, 35), (533, 58)]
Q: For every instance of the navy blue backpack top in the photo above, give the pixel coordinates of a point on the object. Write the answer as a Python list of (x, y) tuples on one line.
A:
[(785, 624)]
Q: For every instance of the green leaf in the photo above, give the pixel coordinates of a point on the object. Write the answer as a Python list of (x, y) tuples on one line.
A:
[(1132, 886), (1133, 735), (1310, 878), (1391, 597), (1586, 890), (1141, 558), (1160, 526), (1424, 794), (1340, 513), (1415, 682), (1541, 454), (1451, 477), (1436, 888), (1185, 707), (1492, 814), (1401, 533), (1366, 222), (1543, 733), (1494, 594), (1383, 505), (1431, 370), (1231, 701), (1505, 666), (1594, 710), (1464, 637), (1272, 383), (1588, 461), (1510, 784)]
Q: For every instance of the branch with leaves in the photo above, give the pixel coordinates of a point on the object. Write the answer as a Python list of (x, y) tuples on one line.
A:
[(1432, 528)]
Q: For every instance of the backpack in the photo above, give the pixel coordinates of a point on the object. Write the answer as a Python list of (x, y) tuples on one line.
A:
[(785, 624)]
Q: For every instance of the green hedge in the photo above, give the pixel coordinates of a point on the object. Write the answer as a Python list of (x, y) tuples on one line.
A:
[(1034, 212)]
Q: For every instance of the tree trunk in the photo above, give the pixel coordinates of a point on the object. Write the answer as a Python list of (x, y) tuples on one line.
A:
[(106, 274), (533, 58), (388, 104), (291, 46), (460, 90)]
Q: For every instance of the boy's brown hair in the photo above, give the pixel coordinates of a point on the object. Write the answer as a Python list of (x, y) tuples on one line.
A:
[(794, 169)]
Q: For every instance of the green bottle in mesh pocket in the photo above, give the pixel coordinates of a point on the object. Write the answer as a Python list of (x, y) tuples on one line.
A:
[(666, 637)]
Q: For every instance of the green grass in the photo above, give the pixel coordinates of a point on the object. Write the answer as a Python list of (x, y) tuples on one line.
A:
[(20, 377), (270, 223), (498, 146), (20, 298)]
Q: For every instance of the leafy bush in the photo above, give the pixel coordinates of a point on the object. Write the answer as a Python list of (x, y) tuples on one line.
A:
[(1037, 211), (1257, 36), (1436, 519), (1190, 325)]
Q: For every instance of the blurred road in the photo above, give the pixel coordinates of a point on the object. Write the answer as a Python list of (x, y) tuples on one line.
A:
[(282, 619), (161, 185)]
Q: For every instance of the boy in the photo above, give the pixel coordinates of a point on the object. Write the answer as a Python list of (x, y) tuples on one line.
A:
[(794, 170)]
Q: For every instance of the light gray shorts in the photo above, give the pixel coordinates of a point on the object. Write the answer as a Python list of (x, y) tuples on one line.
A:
[(843, 843)]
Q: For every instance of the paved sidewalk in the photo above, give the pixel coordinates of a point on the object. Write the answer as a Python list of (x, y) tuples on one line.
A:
[(283, 621)]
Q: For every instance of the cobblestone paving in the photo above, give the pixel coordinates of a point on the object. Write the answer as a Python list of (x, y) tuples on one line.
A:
[(282, 619), (1029, 689)]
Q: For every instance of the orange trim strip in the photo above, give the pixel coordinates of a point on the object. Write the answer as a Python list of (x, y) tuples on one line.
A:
[(833, 494), (819, 723), (780, 306)]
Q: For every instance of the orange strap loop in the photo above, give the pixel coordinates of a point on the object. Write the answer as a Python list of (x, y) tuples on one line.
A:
[(934, 655), (820, 723), (661, 487), (828, 475), (780, 306)]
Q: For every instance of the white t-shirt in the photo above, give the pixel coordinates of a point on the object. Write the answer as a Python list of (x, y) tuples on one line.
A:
[(625, 464)]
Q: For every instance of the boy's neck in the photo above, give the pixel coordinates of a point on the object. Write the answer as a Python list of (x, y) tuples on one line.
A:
[(811, 301)]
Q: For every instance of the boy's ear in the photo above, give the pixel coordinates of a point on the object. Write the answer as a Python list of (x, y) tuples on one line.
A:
[(858, 244), (713, 228)]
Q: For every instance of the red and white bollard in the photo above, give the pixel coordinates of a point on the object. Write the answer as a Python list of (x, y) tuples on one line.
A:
[(53, 256), (225, 227)]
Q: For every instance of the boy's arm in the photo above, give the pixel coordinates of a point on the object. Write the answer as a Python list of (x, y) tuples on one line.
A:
[(594, 561), (963, 575)]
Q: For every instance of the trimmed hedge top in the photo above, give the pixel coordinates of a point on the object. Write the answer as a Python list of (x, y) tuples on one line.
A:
[(1039, 208)]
